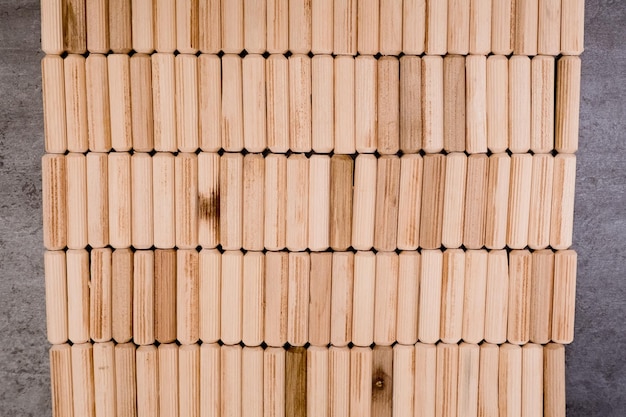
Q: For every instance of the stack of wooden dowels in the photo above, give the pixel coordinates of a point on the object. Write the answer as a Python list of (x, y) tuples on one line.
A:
[(310, 207)]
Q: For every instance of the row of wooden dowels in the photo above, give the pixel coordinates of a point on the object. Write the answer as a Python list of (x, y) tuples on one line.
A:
[(276, 202), (345, 105), (443, 380), (341, 27), (319, 298)]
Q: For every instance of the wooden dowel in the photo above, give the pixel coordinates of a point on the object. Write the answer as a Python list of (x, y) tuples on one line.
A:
[(299, 26), (446, 382), (540, 201), (476, 104), (436, 28), (165, 295), (104, 379), (361, 382), (142, 110), (231, 298), (452, 295), (340, 217), (76, 195), (413, 27), (408, 296), (339, 381), (231, 201), (169, 374), (210, 102), (525, 35), (365, 103), (345, 29), (497, 200), (100, 295), (320, 299), (61, 380), (98, 104), (52, 36), (403, 380), (97, 24), (480, 27), (125, 380), (209, 287), (430, 296), (210, 26), (344, 105), (458, 26), (147, 381), (77, 295), (453, 200), (122, 295), (532, 380), (189, 380), (120, 102), (564, 302), (410, 104), (142, 200), (520, 264), (386, 298), (232, 25), (299, 102), (549, 27), (164, 190), (572, 27), (510, 380), (142, 26), (297, 212), (232, 102), (476, 267), (317, 383), (567, 104), (363, 299), (469, 364), (322, 27), (253, 201), (252, 381), (542, 104), (432, 103), (410, 201), (425, 379), (322, 103), (56, 296), (554, 380), (341, 298), (97, 200), (387, 193), (454, 111), (298, 299), (210, 379), (143, 297), (187, 118), (253, 298), (277, 85), (497, 103), (254, 117), (254, 26), (502, 26), (496, 305), (277, 26), (186, 178), (519, 104), (390, 42), (54, 102), (275, 230), (388, 100), (475, 201), (431, 220), (208, 199), (382, 381), (564, 184), (187, 296), (519, 201), (120, 28), (274, 382), (76, 103), (295, 382), (165, 25), (187, 35), (488, 400)]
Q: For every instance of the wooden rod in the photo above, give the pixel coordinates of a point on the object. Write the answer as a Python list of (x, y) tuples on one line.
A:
[(122, 295), (469, 365), (61, 380), (210, 102), (299, 26), (320, 299), (390, 42), (413, 27), (410, 201), (520, 264), (165, 295), (502, 26), (120, 102), (189, 380), (388, 100), (365, 104), (361, 382), (554, 404), (52, 22), (297, 213), (319, 203), (476, 104), (277, 90), (169, 375), (386, 210), (276, 298), (54, 102), (519, 201), (425, 379), (382, 381), (254, 26), (496, 306), (76, 197), (252, 381), (186, 175), (56, 296), (436, 28), (510, 380), (564, 184), (446, 381), (210, 379), (254, 116), (142, 200), (143, 297), (299, 102), (458, 26), (480, 27), (231, 297), (322, 103), (165, 25), (104, 379), (232, 25), (363, 301), (97, 24), (295, 382), (208, 199), (368, 27), (403, 380), (432, 103), (410, 104), (231, 201), (567, 104), (345, 27), (100, 295), (454, 111), (187, 117), (497, 200), (76, 103), (453, 200), (475, 201), (549, 27), (209, 287), (164, 193), (429, 315), (78, 295), (274, 382), (474, 303), (231, 383), (408, 296), (253, 201), (532, 380), (339, 380), (386, 298), (322, 27), (564, 302), (317, 383), (120, 26), (519, 104), (97, 200), (542, 104), (488, 400), (431, 221), (141, 102), (147, 381), (341, 298), (253, 298), (142, 26), (275, 230), (497, 103), (232, 102), (298, 298), (525, 35), (340, 217), (125, 380), (452, 295), (572, 27), (540, 201), (344, 105), (277, 26), (187, 35), (210, 26)]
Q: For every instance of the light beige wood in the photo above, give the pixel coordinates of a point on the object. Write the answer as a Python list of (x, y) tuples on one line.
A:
[(187, 296), (277, 26), (425, 379), (386, 298), (104, 378), (165, 20), (164, 193), (496, 305), (532, 380), (387, 197), (125, 377), (564, 184), (525, 35), (165, 295), (76, 197), (339, 381), (169, 373), (97, 23), (210, 378), (231, 298), (122, 290), (542, 105), (564, 302), (253, 201), (254, 26), (519, 201), (480, 27), (252, 381), (141, 102), (75, 80), (298, 298), (189, 380), (540, 201), (120, 28), (410, 104), (209, 26), (277, 93), (322, 27), (341, 298), (382, 381), (413, 27), (497, 103), (208, 199), (549, 27), (232, 102), (474, 303), (143, 297), (344, 105), (572, 27), (97, 200), (340, 216), (187, 118), (319, 203), (502, 26), (98, 104), (403, 380), (363, 298), (446, 381), (436, 41), (497, 200), (322, 102), (210, 101), (142, 219), (187, 35), (52, 36), (410, 201), (510, 380), (274, 382), (345, 27), (432, 103), (368, 27), (231, 201), (300, 26), (253, 299), (209, 287), (77, 295), (254, 116), (467, 391), (453, 200), (408, 296), (520, 264), (295, 382), (299, 101), (275, 230), (232, 25), (75, 22), (120, 102), (61, 380), (142, 26), (365, 103), (361, 382), (317, 401), (453, 278), (186, 178), (431, 221), (147, 381), (476, 104), (390, 42), (297, 213), (519, 104), (554, 380), (458, 26), (567, 104), (388, 100), (475, 201), (320, 299), (454, 111), (429, 314), (100, 295), (488, 400), (55, 271)]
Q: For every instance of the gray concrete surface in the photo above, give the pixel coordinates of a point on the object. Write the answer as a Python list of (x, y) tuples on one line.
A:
[(596, 362)]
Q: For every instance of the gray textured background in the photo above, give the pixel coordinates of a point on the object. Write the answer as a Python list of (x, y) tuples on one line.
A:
[(596, 362)]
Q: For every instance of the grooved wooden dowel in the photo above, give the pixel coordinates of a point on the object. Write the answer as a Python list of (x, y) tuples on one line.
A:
[(295, 382), (363, 301), (432, 103), (231, 297), (147, 381), (169, 374), (385, 298), (447, 380), (542, 104), (413, 27), (364, 202), (277, 26), (232, 24), (254, 110), (476, 104), (274, 382), (186, 178), (502, 26), (320, 299), (497, 103), (276, 298), (210, 379), (410, 104), (187, 118), (141, 102), (165, 25), (253, 201), (388, 105), (232, 102), (97, 24), (210, 26), (253, 298), (345, 27), (554, 380), (339, 381), (496, 305), (510, 380), (564, 183), (322, 27), (165, 295), (298, 298), (361, 382), (165, 195), (120, 102), (519, 201), (344, 106), (431, 221), (187, 35), (56, 296), (210, 102), (564, 302), (125, 380), (436, 28), (297, 210), (368, 27), (540, 201), (340, 216), (520, 264), (78, 295), (52, 36), (277, 92), (467, 391), (231, 201), (532, 380), (318, 398), (122, 295), (526, 20), (567, 104), (366, 103), (252, 381), (76, 196), (97, 200), (143, 297), (209, 287), (497, 200), (189, 380), (142, 26), (76, 103), (382, 381), (208, 199), (480, 27), (319, 203), (429, 314), (425, 379), (53, 92), (231, 383), (572, 27), (104, 379), (519, 104), (299, 102), (341, 298), (458, 26), (475, 201), (275, 202), (408, 295), (453, 200), (120, 26), (403, 380), (474, 303), (390, 27), (488, 400), (322, 103), (100, 295), (452, 295), (454, 107), (61, 380), (254, 26), (299, 26), (409, 201), (549, 27), (142, 219), (387, 197)]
